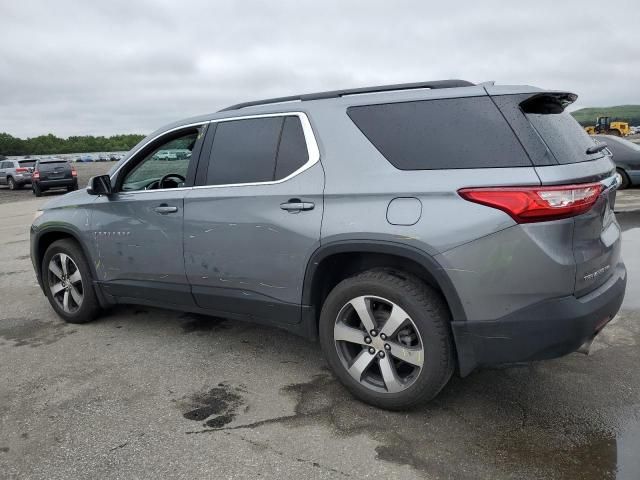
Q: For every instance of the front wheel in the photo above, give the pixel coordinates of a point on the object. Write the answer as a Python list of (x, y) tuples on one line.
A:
[(386, 336), (67, 282)]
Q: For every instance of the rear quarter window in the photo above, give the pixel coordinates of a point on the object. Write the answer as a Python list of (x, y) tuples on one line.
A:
[(441, 134), (564, 136)]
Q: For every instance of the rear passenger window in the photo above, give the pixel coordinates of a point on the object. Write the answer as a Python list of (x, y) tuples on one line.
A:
[(440, 134), (292, 153), (566, 139), (256, 150)]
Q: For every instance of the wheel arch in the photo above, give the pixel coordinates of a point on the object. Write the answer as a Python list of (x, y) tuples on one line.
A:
[(46, 237), (335, 261)]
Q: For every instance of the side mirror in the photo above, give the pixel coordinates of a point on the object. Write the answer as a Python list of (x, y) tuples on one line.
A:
[(100, 185)]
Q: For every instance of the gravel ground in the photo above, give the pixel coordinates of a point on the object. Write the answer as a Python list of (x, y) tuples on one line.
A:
[(149, 393)]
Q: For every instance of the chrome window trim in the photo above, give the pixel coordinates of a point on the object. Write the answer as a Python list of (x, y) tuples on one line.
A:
[(309, 137)]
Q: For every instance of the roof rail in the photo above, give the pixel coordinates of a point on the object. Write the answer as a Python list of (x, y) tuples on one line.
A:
[(354, 91)]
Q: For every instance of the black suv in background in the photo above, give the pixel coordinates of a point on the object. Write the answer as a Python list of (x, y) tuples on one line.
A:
[(53, 173)]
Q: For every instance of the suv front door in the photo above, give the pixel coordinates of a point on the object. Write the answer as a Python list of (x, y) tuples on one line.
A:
[(253, 219), (138, 229)]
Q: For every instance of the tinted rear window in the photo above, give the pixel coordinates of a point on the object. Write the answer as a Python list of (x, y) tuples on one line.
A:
[(50, 165), (244, 151), (566, 139), (27, 163), (292, 153), (440, 134), (256, 150)]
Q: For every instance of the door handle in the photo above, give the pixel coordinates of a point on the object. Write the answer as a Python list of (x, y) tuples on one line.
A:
[(164, 209), (295, 205)]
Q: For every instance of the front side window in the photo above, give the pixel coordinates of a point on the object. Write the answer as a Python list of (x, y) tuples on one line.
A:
[(256, 150), (165, 166)]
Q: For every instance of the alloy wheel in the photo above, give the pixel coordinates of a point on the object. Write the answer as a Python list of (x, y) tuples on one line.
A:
[(378, 344), (65, 282)]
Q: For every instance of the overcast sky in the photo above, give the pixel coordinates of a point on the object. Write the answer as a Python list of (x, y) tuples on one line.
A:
[(125, 66)]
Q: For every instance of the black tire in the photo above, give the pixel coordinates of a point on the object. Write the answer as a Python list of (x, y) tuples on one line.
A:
[(11, 183), (625, 179), (36, 190), (90, 307), (429, 313), (72, 188)]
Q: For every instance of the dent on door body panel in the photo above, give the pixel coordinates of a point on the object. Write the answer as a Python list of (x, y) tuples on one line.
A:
[(238, 239), (133, 242)]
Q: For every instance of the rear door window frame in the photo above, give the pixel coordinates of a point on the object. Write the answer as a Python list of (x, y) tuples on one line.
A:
[(312, 149)]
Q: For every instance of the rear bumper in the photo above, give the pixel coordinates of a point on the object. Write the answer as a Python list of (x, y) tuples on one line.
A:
[(548, 329), (21, 179), (63, 182)]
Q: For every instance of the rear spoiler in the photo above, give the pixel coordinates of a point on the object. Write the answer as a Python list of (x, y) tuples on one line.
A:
[(548, 102)]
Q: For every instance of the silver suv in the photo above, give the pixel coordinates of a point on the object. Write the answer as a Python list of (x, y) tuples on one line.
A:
[(415, 230), (16, 173)]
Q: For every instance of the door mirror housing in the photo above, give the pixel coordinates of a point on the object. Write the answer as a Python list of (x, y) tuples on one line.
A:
[(100, 185)]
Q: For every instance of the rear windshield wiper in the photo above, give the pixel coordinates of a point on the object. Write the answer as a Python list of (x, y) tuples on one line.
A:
[(596, 148)]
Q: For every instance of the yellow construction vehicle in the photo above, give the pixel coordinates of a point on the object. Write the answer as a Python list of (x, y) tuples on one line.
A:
[(605, 126)]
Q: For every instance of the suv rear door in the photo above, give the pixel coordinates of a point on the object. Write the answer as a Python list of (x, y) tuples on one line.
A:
[(253, 219), (558, 146)]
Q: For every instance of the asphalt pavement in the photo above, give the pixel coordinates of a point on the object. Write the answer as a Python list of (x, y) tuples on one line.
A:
[(149, 393)]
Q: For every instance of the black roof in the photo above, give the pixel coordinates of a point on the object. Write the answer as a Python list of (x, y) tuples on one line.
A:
[(354, 91)]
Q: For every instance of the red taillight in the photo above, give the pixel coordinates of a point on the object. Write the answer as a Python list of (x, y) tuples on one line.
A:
[(36, 175), (22, 170), (74, 173), (536, 204)]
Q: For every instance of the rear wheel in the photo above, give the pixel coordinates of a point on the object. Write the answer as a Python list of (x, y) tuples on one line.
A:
[(11, 183), (36, 190), (71, 188), (67, 282), (623, 179), (386, 337)]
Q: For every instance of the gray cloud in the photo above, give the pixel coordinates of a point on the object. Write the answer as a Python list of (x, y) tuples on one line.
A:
[(117, 66)]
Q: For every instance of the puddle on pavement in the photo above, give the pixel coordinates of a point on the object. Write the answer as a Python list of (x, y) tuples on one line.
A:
[(32, 332), (215, 407), (447, 438), (202, 323)]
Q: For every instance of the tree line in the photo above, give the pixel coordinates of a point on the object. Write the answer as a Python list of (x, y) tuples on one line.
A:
[(50, 144)]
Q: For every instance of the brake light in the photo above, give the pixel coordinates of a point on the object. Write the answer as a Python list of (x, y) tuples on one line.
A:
[(36, 175), (74, 173), (22, 170), (536, 204)]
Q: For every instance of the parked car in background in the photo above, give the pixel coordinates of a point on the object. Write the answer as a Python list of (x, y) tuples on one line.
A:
[(114, 157), (85, 158), (102, 158), (361, 218), (626, 156), (53, 173), (166, 155), (15, 173)]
